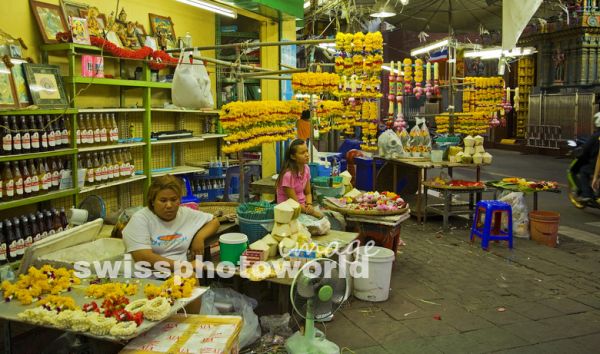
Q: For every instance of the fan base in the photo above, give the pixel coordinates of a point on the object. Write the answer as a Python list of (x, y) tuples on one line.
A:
[(298, 343)]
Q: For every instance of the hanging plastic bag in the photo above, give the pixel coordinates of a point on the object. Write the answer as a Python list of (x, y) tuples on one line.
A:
[(425, 137), (520, 213), (242, 306), (390, 145), (191, 84), (416, 141)]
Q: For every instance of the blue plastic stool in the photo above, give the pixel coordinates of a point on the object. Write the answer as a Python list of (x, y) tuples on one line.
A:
[(492, 224), (189, 197)]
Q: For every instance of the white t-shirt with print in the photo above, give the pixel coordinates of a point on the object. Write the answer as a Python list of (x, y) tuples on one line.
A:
[(170, 239)]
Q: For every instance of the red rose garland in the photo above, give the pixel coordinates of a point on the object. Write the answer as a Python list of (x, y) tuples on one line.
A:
[(160, 59)]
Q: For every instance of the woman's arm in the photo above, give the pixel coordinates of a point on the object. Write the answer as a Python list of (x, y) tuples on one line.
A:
[(152, 258), (209, 229), (596, 176)]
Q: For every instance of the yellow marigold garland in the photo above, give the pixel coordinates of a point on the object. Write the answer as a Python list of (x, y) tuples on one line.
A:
[(170, 289), (37, 282), (111, 289)]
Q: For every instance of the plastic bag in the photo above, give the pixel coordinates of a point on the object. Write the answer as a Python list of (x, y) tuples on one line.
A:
[(277, 324), (390, 145), (315, 226), (242, 306), (416, 141), (191, 84), (520, 214)]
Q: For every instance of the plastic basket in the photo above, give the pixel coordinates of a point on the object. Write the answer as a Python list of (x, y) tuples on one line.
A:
[(255, 211), (334, 192), (324, 181), (255, 229)]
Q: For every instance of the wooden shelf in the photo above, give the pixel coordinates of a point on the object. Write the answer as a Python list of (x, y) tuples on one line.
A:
[(111, 184), (213, 136), (178, 170), (110, 147), (37, 155), (177, 141), (116, 82), (23, 112)]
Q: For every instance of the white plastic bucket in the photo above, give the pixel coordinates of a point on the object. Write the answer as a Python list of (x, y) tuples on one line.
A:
[(375, 287)]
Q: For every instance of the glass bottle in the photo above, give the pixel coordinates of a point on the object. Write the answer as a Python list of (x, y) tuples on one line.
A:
[(35, 135), (116, 165), (96, 127), (64, 132), (78, 130), (89, 179), (8, 181), (122, 169), (50, 133), (41, 225), (35, 181), (61, 170), (130, 163), (47, 175), (18, 180), (63, 218), (56, 221), (115, 129), (11, 239), (109, 166), (35, 228), (55, 174), (104, 167), (25, 135), (103, 130), (57, 132), (97, 168), (3, 245), (16, 136), (90, 129), (48, 220), (43, 134), (26, 178), (6, 135), (26, 232), (19, 238)]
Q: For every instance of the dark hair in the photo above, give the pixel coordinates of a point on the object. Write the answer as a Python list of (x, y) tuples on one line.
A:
[(290, 164), (305, 114), (161, 183)]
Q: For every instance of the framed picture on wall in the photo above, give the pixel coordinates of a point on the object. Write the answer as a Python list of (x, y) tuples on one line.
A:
[(45, 84), (20, 83), (73, 9), (79, 30), (7, 89), (162, 29), (50, 20)]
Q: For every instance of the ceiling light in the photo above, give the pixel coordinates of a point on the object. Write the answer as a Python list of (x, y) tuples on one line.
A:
[(307, 4), (209, 6), (428, 48), (404, 2), (495, 53), (387, 68), (385, 10)]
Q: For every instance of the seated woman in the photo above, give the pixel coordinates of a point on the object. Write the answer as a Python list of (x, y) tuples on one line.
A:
[(294, 178), (163, 231)]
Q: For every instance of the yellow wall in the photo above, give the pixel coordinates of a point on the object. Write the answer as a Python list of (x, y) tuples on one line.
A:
[(17, 19)]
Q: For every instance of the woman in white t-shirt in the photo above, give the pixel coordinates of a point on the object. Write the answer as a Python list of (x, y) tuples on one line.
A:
[(163, 231)]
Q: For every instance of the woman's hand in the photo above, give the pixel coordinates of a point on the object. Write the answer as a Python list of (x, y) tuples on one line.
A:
[(596, 183)]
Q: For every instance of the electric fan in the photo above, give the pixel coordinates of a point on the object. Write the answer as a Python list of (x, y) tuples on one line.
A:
[(93, 205), (317, 291)]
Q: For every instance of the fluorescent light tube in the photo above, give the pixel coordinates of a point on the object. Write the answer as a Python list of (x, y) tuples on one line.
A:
[(307, 4), (432, 46), (495, 53), (205, 5)]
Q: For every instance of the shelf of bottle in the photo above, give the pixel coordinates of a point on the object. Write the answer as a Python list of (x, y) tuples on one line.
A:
[(115, 82), (111, 184), (109, 147), (37, 155), (207, 163), (24, 112), (109, 110), (197, 111), (177, 170), (37, 199), (194, 139)]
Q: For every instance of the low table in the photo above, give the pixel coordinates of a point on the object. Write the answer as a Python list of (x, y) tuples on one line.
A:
[(448, 207), (525, 192)]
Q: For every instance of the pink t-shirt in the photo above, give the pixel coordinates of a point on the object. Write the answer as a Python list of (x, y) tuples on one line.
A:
[(297, 182)]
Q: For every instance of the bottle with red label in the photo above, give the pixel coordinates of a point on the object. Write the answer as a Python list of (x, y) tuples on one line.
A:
[(3, 245), (8, 182), (63, 218), (6, 136), (54, 123), (90, 171), (35, 182), (50, 133), (78, 130), (18, 180), (26, 232), (34, 134), (26, 179), (43, 133), (16, 136), (11, 240), (41, 224), (18, 237), (65, 132), (55, 173), (35, 228), (25, 135)]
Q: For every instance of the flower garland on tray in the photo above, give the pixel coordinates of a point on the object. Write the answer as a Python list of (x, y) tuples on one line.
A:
[(37, 282), (110, 289), (368, 201), (253, 123), (170, 289)]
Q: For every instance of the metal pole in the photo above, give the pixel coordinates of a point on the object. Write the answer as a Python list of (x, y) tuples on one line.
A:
[(255, 44), (276, 72), (228, 63), (282, 78)]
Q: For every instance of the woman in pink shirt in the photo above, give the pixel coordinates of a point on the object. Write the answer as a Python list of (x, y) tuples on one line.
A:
[(294, 178)]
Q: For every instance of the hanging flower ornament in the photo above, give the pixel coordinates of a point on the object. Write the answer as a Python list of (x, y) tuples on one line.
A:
[(428, 86), (407, 63), (418, 90), (436, 80)]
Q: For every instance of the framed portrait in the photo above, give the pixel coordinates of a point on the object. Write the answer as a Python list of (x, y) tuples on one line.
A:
[(50, 20), (45, 84), (140, 32), (7, 90), (79, 30), (15, 51), (73, 9), (20, 83), (162, 28), (102, 22), (150, 41)]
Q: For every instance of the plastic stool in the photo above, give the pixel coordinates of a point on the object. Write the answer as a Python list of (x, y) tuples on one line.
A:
[(189, 197), (491, 229)]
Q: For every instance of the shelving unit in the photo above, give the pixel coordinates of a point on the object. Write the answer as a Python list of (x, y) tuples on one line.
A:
[(38, 198), (37, 155), (525, 80), (111, 184), (177, 141), (178, 170), (110, 147)]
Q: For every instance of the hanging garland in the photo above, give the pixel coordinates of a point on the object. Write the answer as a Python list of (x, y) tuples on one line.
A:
[(160, 59)]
